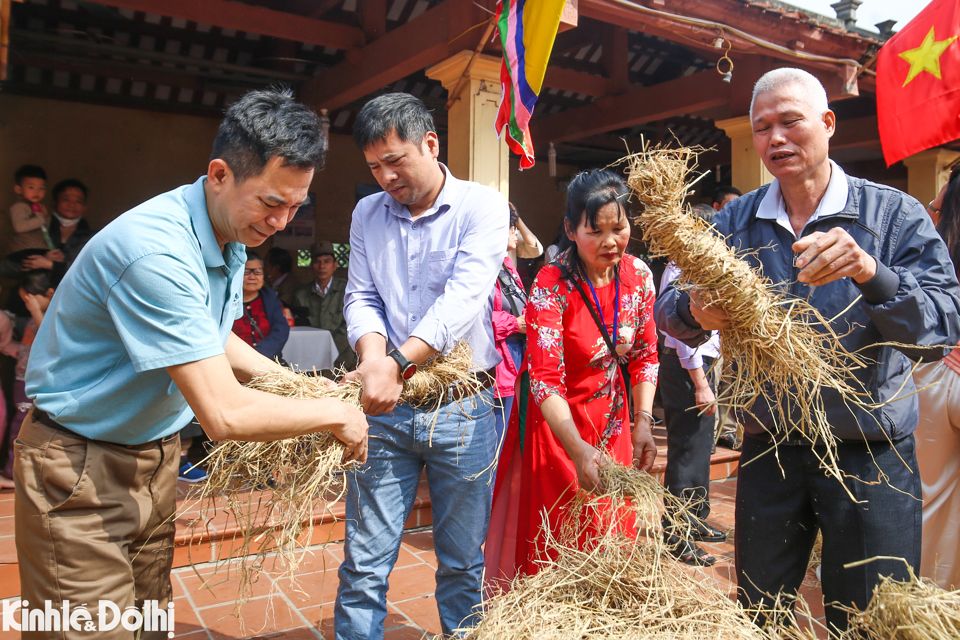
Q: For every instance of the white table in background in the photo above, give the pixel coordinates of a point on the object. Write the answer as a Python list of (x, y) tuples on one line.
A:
[(308, 348)]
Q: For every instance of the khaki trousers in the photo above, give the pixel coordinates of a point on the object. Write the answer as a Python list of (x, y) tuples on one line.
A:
[(94, 521)]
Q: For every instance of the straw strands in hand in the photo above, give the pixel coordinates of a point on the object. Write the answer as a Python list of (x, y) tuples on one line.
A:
[(299, 476), (782, 350)]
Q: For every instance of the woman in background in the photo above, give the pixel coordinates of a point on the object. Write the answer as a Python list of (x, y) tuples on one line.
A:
[(509, 328), (938, 434)]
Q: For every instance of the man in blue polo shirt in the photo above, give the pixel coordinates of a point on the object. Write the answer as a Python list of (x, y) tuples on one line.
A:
[(136, 341)]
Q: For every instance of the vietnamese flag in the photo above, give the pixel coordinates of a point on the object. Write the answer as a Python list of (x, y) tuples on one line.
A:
[(918, 83)]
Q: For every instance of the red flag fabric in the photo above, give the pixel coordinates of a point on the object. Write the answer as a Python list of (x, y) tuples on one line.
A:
[(918, 83)]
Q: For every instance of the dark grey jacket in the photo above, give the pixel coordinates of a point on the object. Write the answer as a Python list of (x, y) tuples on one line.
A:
[(911, 300)]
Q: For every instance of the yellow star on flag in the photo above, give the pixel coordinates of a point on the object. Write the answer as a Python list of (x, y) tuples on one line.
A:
[(926, 57)]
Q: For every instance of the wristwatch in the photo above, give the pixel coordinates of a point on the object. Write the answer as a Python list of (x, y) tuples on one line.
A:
[(407, 368)]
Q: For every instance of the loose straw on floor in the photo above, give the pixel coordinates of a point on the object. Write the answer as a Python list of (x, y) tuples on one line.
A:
[(615, 586), (911, 609)]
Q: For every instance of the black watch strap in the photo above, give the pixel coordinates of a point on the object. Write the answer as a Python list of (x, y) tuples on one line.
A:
[(407, 368)]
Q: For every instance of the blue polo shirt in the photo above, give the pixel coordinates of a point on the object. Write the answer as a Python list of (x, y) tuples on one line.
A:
[(150, 291)]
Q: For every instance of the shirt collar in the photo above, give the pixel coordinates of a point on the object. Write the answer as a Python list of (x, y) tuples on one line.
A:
[(445, 199), (834, 200), (323, 290), (196, 201)]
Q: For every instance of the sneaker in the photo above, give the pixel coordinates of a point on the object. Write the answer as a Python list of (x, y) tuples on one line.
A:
[(6, 483), (191, 473)]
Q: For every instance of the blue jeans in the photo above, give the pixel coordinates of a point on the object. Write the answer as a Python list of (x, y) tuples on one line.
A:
[(380, 497)]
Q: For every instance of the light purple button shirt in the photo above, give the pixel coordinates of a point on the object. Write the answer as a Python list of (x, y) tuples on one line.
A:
[(431, 277)]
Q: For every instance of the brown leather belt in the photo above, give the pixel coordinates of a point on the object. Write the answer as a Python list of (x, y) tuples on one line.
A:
[(41, 416), (459, 392)]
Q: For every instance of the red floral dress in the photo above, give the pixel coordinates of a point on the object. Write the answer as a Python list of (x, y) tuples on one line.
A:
[(567, 356)]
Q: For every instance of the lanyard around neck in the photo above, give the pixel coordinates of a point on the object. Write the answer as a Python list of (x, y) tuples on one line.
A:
[(616, 307)]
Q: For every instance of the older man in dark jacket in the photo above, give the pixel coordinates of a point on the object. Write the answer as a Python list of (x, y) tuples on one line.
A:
[(323, 300), (869, 257)]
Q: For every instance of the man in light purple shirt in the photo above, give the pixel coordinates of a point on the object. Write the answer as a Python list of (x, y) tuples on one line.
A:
[(424, 255)]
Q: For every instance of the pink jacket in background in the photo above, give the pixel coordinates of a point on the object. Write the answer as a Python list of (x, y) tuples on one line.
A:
[(504, 325)]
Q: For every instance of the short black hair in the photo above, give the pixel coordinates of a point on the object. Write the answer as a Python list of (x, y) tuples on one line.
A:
[(36, 281), (253, 255), (400, 112), (267, 123), (69, 183), (280, 258), (28, 171), (723, 191), (589, 191), (704, 211)]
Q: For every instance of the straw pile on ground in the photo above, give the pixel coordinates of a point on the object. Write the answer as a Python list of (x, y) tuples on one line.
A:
[(779, 348), (914, 609), (303, 474), (618, 587)]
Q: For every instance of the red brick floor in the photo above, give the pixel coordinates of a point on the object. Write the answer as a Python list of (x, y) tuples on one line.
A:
[(280, 609), (290, 610)]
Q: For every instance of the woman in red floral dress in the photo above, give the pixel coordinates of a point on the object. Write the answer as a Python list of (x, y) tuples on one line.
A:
[(572, 409)]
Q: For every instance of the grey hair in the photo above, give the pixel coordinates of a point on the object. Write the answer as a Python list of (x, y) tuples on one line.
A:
[(811, 90)]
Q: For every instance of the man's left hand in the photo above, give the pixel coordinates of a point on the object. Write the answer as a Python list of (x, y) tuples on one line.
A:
[(825, 257)]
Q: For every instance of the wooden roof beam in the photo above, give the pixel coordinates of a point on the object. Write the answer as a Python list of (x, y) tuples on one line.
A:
[(614, 57), (856, 132), (640, 105), (253, 19), (577, 81), (763, 27), (426, 40), (373, 18)]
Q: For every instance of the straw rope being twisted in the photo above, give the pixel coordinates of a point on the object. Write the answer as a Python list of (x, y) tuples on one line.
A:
[(300, 477), (782, 350)]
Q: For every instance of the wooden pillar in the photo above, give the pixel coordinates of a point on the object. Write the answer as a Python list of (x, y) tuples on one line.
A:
[(927, 172), (473, 150), (747, 168)]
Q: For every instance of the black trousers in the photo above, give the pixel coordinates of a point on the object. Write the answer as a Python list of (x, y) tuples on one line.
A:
[(778, 514), (689, 437)]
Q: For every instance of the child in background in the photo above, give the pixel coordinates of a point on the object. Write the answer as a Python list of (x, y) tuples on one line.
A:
[(36, 291), (28, 216)]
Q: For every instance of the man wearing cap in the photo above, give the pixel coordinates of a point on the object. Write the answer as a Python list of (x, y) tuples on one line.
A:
[(323, 299)]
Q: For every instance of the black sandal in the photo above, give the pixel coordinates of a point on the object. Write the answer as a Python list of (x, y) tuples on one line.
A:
[(702, 532), (687, 552)]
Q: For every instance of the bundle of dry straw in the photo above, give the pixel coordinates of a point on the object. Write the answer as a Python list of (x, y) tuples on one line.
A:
[(303, 474), (914, 609), (780, 348), (615, 586)]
